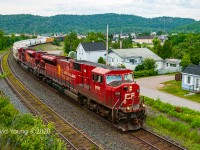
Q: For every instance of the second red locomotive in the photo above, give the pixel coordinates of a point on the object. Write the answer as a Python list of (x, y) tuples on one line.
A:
[(109, 91)]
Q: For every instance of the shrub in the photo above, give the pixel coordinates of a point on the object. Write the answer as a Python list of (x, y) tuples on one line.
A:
[(101, 60), (24, 131), (145, 73)]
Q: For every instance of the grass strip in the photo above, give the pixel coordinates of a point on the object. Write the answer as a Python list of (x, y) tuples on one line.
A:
[(187, 115), (175, 129)]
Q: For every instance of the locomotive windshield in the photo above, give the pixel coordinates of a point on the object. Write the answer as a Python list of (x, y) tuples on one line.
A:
[(112, 78), (128, 77)]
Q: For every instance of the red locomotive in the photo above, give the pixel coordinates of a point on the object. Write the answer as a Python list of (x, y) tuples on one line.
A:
[(109, 91)]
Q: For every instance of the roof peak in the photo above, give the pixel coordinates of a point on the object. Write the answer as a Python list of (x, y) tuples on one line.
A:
[(93, 46)]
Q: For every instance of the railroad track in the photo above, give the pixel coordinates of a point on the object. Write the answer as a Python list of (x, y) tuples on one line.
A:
[(73, 138), (148, 140)]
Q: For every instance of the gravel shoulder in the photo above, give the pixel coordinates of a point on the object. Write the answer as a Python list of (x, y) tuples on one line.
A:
[(5, 89), (149, 87)]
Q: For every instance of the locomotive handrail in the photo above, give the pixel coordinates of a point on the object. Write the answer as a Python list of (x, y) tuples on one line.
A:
[(83, 76), (113, 108), (122, 103)]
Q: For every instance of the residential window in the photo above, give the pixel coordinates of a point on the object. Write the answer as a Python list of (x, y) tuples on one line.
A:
[(172, 65), (197, 83), (132, 61), (188, 79)]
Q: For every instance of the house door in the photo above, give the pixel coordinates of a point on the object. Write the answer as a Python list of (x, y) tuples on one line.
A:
[(198, 84)]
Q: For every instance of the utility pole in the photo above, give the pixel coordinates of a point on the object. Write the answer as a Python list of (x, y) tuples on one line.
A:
[(107, 46)]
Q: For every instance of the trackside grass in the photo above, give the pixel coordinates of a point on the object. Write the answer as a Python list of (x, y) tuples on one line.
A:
[(180, 123)]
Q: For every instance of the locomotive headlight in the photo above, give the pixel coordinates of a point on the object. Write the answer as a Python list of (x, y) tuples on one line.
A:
[(143, 105), (117, 93), (130, 88), (129, 108)]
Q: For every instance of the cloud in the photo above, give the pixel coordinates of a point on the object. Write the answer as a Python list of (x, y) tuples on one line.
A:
[(145, 8)]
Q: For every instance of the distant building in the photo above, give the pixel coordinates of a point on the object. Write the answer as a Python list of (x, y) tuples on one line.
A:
[(81, 36), (132, 57), (91, 51), (163, 38), (191, 78), (153, 33), (143, 39)]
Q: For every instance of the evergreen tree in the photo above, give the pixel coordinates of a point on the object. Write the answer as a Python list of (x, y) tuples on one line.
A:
[(101, 60)]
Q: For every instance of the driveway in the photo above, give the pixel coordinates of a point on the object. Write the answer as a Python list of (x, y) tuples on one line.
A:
[(149, 87)]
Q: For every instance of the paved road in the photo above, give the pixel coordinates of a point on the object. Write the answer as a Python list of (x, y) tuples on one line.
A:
[(149, 87)]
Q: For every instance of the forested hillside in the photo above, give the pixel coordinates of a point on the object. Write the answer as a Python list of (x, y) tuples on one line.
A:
[(88, 23), (192, 28)]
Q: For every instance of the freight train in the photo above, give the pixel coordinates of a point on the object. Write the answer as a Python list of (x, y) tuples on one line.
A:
[(109, 91)]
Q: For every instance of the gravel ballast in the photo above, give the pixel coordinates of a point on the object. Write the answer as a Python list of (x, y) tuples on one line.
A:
[(12, 97)]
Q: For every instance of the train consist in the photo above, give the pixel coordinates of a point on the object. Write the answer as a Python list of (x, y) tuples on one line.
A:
[(108, 91)]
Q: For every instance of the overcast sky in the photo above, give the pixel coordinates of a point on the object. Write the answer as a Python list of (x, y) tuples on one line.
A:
[(144, 8)]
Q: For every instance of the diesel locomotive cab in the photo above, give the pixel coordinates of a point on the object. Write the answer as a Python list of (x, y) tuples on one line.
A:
[(128, 111)]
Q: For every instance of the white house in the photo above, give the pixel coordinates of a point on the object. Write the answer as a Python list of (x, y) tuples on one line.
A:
[(191, 78), (91, 51), (170, 65), (133, 57)]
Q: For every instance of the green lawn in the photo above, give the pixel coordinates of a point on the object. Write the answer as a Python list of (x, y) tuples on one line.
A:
[(49, 46), (174, 87)]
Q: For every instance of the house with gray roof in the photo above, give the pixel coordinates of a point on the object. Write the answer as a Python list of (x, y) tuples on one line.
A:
[(132, 57), (91, 51), (191, 78), (170, 65)]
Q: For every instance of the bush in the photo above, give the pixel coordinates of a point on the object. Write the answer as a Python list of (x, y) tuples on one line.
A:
[(56, 42), (24, 131), (139, 67), (101, 60), (122, 66), (145, 73)]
